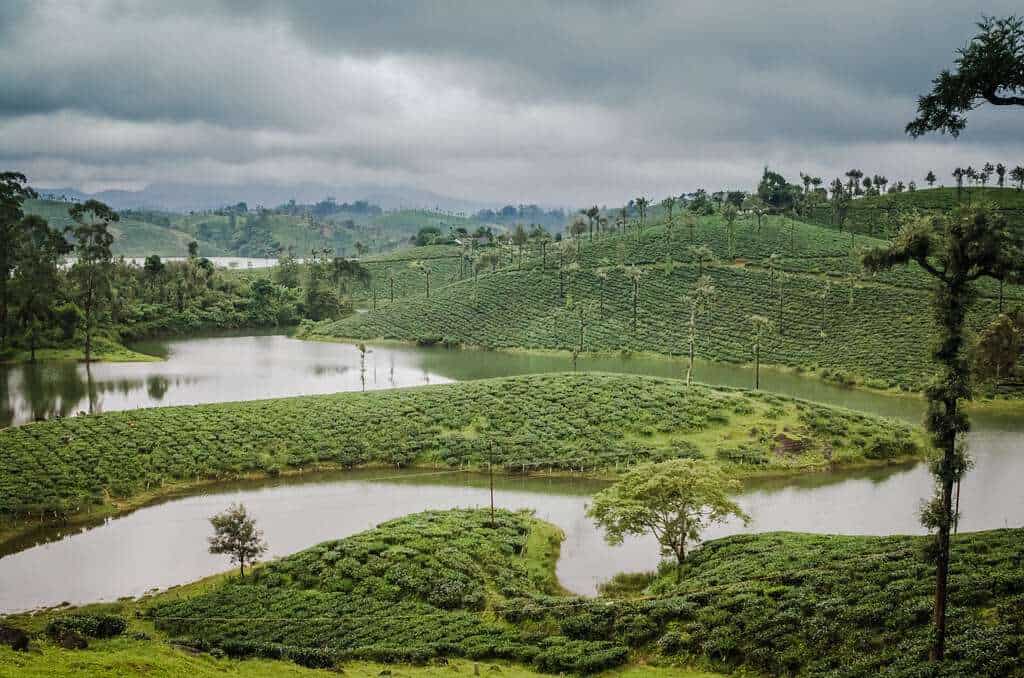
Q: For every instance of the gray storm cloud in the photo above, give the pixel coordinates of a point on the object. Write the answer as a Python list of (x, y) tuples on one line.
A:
[(556, 102)]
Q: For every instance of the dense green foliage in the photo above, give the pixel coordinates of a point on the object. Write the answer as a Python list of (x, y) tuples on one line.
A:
[(409, 590), (348, 230), (568, 422), (820, 605), (785, 604), (827, 314), (878, 215)]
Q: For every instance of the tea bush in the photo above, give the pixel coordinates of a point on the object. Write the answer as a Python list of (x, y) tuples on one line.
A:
[(594, 423)]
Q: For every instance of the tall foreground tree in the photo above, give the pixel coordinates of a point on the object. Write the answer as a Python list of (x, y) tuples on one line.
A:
[(92, 270), (14, 190), (673, 500), (956, 250), (36, 279), (990, 69)]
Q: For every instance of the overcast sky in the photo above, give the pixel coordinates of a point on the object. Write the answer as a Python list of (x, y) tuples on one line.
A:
[(556, 102)]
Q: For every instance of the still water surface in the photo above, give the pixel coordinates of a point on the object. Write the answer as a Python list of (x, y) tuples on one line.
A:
[(164, 544), (249, 367)]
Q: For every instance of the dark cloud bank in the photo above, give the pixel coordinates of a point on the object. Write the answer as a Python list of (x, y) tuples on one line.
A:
[(554, 102)]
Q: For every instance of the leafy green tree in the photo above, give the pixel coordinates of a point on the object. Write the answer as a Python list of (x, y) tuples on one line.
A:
[(635, 274), (235, 534), (92, 269), (423, 267), (990, 68), (758, 208), (287, 271), (700, 301), (1017, 174), (956, 250), (1000, 174), (730, 213), (641, 204), (774, 191), (14, 190), (37, 279), (998, 348), (576, 229), (690, 219), (519, 239), (930, 178), (703, 255), (668, 204), (672, 500)]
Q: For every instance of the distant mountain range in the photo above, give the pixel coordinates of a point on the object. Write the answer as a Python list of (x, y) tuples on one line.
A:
[(188, 197)]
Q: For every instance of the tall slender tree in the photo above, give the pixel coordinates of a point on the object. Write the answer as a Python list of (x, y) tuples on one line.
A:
[(956, 250), (92, 269), (700, 303), (14, 190)]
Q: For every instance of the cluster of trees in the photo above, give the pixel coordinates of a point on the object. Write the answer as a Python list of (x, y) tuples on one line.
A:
[(64, 289), (983, 175), (510, 214)]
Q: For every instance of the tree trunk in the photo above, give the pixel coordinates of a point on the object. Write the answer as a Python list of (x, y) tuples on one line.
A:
[(689, 370), (757, 366)]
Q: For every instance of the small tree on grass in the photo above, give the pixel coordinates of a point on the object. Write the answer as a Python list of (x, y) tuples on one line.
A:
[(235, 534), (672, 500)]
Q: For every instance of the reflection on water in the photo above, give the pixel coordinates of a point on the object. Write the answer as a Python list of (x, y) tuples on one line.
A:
[(205, 370), (164, 544), (228, 368)]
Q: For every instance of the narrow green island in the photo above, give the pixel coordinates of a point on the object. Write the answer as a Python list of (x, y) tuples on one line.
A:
[(442, 592), (593, 424)]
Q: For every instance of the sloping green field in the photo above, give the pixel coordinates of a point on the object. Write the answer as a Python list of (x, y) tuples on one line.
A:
[(826, 314)]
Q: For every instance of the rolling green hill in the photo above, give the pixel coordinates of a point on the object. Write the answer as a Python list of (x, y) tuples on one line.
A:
[(827, 315), (144, 232), (132, 237), (446, 584), (595, 423)]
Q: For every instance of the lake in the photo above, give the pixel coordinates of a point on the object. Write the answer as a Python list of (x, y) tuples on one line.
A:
[(164, 544)]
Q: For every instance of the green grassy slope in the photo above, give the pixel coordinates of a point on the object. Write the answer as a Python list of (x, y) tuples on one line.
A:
[(446, 584), (132, 237), (568, 422), (831, 316), (128, 657), (875, 214), (409, 590), (820, 606)]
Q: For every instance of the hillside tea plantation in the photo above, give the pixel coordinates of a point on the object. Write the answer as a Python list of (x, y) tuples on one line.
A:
[(827, 315), (817, 606), (410, 590), (447, 583), (592, 423)]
